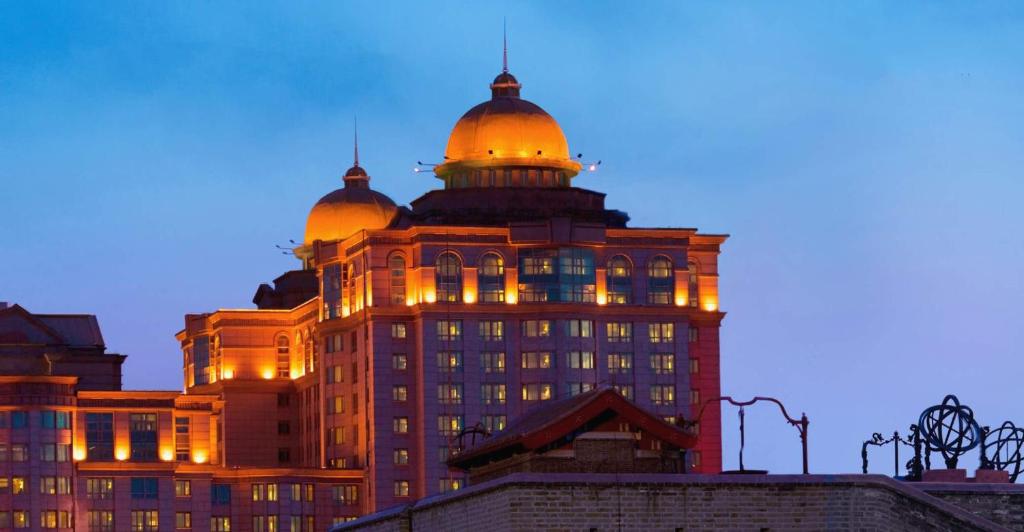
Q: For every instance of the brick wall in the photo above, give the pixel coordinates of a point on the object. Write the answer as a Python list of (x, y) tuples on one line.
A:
[(601, 502), (1002, 504)]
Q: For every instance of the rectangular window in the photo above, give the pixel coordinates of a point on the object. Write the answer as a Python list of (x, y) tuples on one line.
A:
[(663, 333), (99, 436), (536, 360), (399, 362), (537, 392), (142, 436), (492, 331), (576, 388), (258, 492), (536, 328), (398, 330), (581, 359), (449, 330), (663, 394), (100, 521), (492, 394), (183, 520), (220, 494), (144, 488), (272, 492), (19, 518), (694, 366), (338, 404), (182, 438), (401, 457), (19, 452), (449, 484), (182, 488), (309, 492), (580, 328), (401, 488), (345, 494), (620, 362), (493, 362), (284, 427), (663, 363), (449, 394), (220, 524), (449, 361), (621, 331), (145, 520), (449, 425), (493, 423), (19, 419), (626, 390), (400, 393), (400, 425), (694, 334), (694, 397)]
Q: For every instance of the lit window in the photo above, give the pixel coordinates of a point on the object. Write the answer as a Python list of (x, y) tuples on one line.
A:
[(449, 425), (101, 521), (580, 328), (491, 279), (145, 520), (449, 361), (182, 488), (399, 362), (401, 488), (492, 362), (183, 520), (220, 524), (283, 357), (449, 394), (345, 494), (693, 285), (694, 365), (581, 359), (537, 392), (400, 393), (576, 388), (401, 425), (99, 488), (621, 331), (536, 328), (620, 281), (660, 281), (401, 457), (620, 362), (492, 331), (663, 363), (396, 269), (626, 390), (536, 360), (661, 332), (663, 394), (492, 394), (398, 330), (448, 276), (493, 423), (182, 438), (449, 330), (450, 484)]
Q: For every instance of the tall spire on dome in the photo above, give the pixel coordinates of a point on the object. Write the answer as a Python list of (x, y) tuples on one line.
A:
[(504, 46), (505, 85), (356, 176)]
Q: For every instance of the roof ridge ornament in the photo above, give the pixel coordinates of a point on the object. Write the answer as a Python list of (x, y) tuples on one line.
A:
[(356, 176)]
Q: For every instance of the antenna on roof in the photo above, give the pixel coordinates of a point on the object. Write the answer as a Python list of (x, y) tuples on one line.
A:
[(504, 45)]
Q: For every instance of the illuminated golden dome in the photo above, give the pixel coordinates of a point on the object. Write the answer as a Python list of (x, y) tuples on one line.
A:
[(348, 210), (506, 132)]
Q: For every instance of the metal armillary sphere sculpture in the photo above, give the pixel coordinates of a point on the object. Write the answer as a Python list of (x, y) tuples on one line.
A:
[(1003, 449), (950, 429)]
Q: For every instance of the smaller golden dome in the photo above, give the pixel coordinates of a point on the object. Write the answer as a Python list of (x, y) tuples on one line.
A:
[(348, 210)]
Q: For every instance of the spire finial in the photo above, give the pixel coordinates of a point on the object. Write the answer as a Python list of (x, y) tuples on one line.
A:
[(355, 139), (504, 45)]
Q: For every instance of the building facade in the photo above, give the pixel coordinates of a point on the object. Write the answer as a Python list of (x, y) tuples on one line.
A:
[(504, 288), (346, 388)]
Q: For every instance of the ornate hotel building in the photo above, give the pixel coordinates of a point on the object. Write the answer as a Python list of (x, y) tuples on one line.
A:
[(345, 389)]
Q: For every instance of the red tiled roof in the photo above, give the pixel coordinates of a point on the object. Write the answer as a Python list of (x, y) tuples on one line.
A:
[(549, 423)]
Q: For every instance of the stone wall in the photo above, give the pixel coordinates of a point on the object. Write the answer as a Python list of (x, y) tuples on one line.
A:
[(1002, 504), (600, 502)]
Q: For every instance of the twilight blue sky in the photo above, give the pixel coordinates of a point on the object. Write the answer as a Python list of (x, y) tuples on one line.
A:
[(865, 157)]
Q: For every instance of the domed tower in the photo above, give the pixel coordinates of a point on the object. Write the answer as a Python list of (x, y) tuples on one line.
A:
[(507, 142), (347, 210)]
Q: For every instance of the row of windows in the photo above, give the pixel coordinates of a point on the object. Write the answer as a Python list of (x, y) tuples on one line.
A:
[(147, 520), (48, 452), (565, 274), (494, 362), (490, 331), (47, 419)]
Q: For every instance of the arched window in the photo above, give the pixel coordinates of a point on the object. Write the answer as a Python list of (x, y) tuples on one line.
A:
[(491, 278), (448, 276), (283, 357), (660, 281), (307, 352), (693, 287), (396, 271), (620, 281)]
